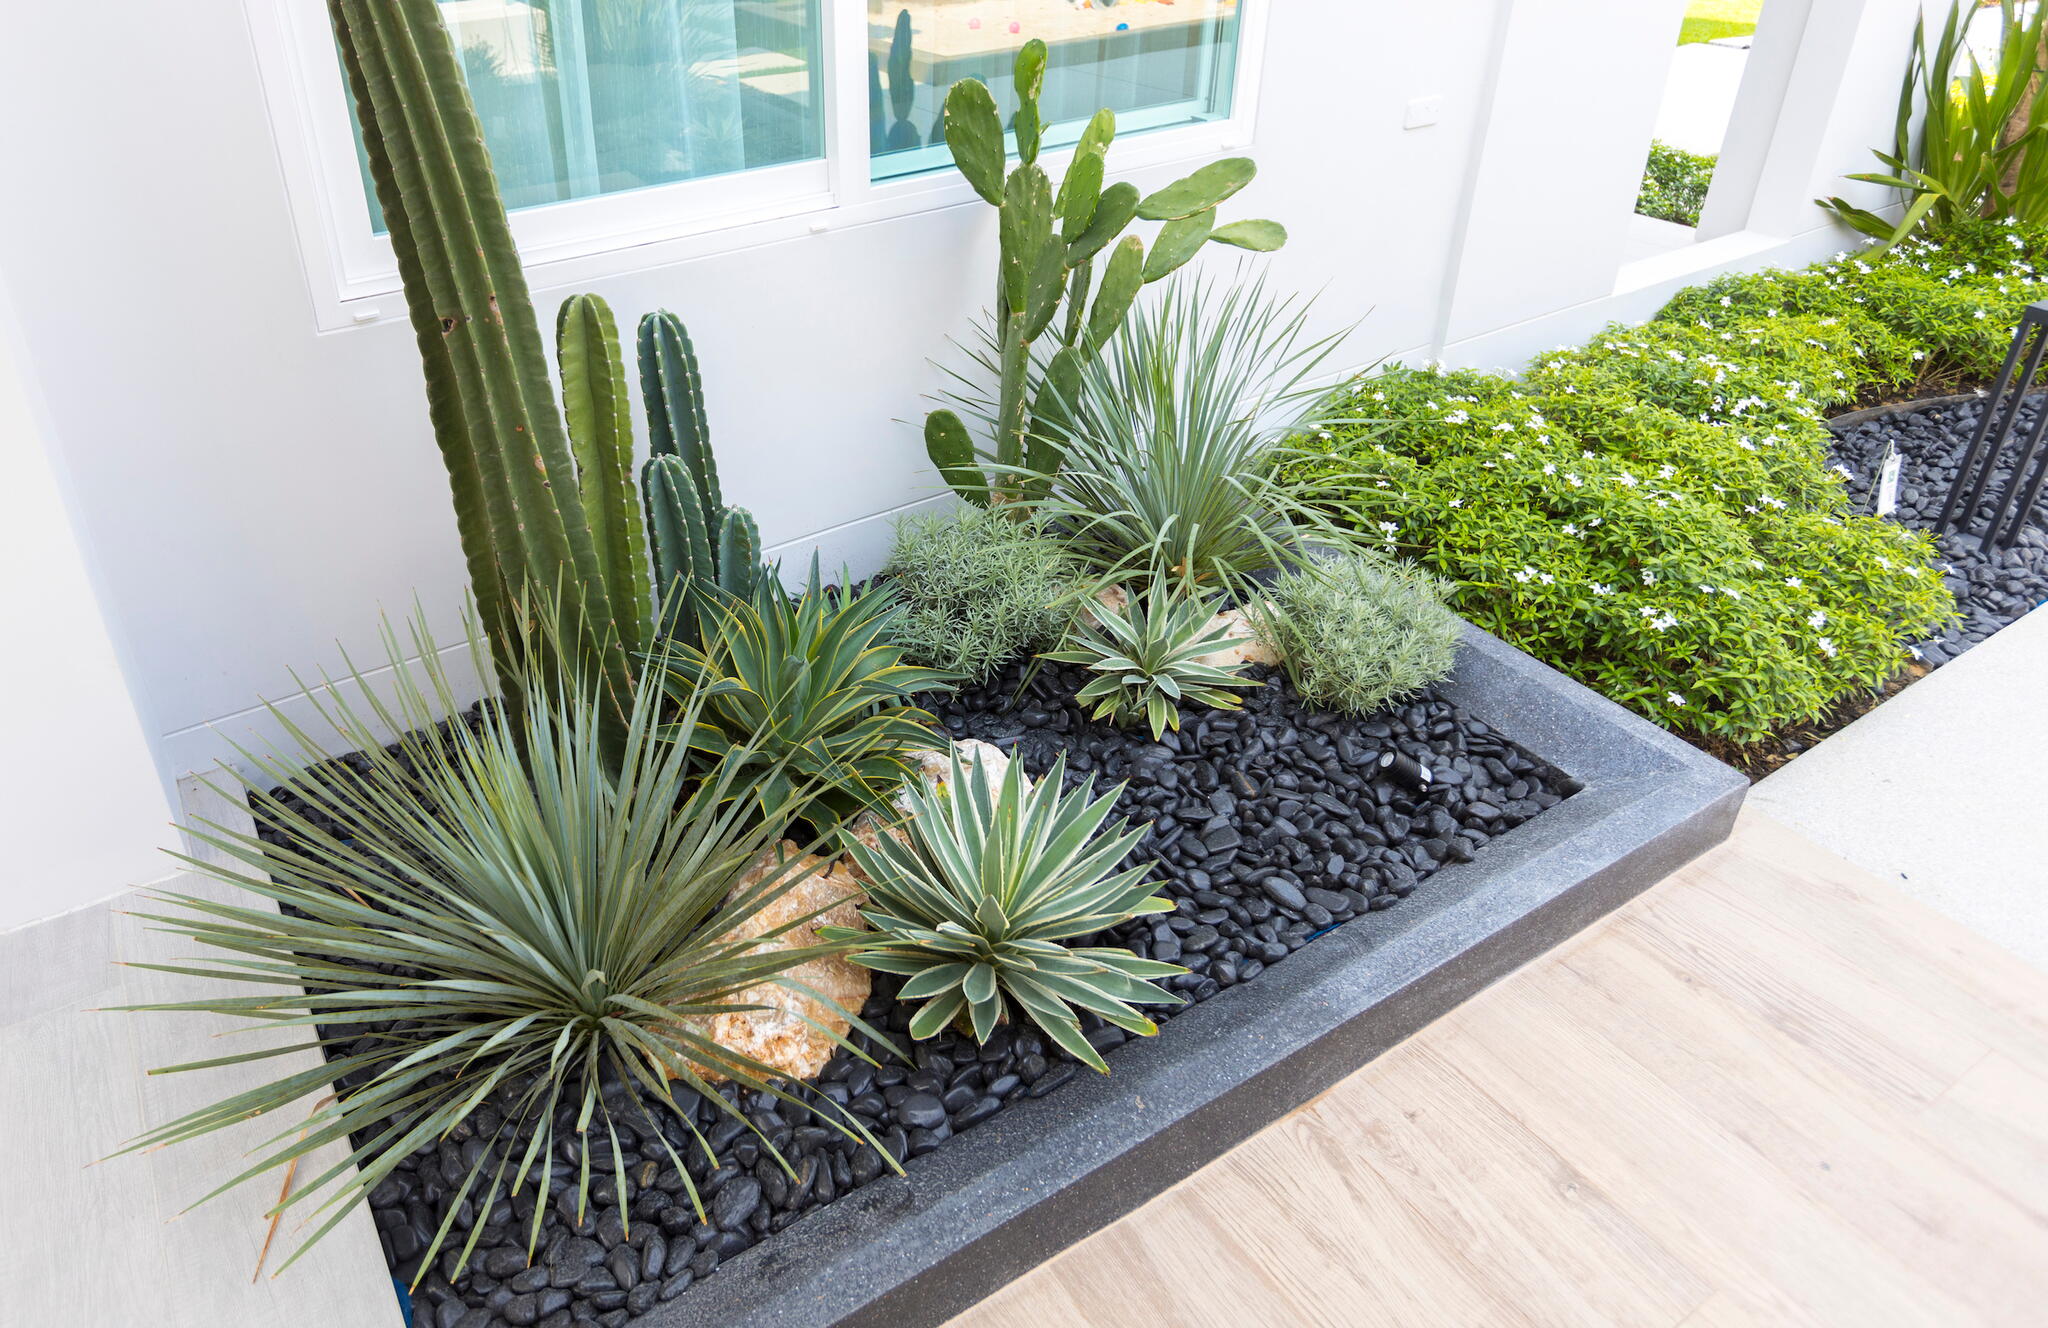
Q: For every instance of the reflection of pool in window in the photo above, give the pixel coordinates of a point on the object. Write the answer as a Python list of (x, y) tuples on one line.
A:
[(581, 98), (1156, 63)]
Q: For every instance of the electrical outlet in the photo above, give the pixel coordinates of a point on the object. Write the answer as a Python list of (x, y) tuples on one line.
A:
[(1422, 112)]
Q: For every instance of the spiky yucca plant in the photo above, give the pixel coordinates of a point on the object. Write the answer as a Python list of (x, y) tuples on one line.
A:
[(973, 903), (1175, 437), (510, 914), (1148, 653), (809, 690)]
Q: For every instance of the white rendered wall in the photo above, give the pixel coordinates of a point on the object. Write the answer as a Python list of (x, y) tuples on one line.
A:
[(82, 812), (254, 490)]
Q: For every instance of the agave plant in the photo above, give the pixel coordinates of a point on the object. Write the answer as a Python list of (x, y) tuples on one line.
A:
[(1176, 434), (1148, 652), (809, 690), (976, 893), (1982, 145), (510, 916)]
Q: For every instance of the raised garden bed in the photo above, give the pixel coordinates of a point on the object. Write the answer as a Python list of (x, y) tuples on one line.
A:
[(1489, 861)]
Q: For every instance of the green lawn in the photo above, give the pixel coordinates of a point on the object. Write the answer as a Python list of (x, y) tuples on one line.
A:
[(1707, 19)]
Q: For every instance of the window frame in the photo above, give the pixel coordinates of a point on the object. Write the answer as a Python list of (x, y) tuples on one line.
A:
[(352, 275)]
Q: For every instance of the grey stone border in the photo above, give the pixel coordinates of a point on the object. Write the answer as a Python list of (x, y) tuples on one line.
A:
[(1844, 423), (1043, 1174)]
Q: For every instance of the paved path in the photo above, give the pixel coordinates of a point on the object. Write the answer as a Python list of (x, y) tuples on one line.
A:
[(1943, 790), (1773, 1090)]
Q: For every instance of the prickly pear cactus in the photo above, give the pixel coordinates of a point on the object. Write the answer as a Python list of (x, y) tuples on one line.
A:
[(1051, 241)]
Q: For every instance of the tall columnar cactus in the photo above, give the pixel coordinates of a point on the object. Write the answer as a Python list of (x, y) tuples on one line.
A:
[(598, 401), (698, 540), (1050, 245), (530, 525)]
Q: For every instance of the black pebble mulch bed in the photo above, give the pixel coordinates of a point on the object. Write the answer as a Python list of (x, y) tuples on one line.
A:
[(1993, 588), (1268, 826)]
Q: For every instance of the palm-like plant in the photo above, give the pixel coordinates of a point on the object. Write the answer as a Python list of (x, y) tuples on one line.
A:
[(975, 895), (810, 690), (516, 917), (1148, 653), (1982, 146), (1176, 434)]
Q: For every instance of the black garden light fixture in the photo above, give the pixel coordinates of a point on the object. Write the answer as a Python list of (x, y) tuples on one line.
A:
[(2007, 514)]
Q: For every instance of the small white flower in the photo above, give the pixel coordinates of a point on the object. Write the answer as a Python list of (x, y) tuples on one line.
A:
[(1674, 698), (1817, 619), (1602, 589), (1794, 582), (1456, 417), (1649, 577), (1550, 468), (1825, 646)]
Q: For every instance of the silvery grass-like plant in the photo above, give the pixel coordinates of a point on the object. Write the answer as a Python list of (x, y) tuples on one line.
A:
[(1147, 654), (1176, 434), (974, 904), (511, 916)]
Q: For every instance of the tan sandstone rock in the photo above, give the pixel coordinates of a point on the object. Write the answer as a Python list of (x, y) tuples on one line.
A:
[(935, 768), (776, 1036), (1250, 650)]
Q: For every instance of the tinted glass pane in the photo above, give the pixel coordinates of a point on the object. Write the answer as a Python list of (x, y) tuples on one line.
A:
[(580, 98), (1156, 63)]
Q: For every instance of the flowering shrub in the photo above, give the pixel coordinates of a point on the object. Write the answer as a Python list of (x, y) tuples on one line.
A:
[(1924, 316), (1706, 575), (1654, 512), (1675, 184)]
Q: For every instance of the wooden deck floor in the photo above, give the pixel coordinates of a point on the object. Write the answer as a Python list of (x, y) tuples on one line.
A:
[(1771, 1091)]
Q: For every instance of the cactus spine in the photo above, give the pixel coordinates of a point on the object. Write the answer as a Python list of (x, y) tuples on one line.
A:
[(530, 525), (1050, 243), (698, 540)]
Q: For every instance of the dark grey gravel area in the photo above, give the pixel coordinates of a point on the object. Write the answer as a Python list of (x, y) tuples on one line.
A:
[(1993, 588), (1268, 826)]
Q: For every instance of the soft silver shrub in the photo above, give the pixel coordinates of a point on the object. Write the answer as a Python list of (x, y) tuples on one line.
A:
[(1360, 631), (979, 588)]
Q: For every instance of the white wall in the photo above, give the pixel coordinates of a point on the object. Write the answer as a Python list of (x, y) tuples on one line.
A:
[(254, 490), (82, 812)]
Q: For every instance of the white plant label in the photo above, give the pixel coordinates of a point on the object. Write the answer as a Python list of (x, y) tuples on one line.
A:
[(1888, 482)]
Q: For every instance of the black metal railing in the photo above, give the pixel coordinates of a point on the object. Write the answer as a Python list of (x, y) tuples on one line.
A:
[(2008, 508)]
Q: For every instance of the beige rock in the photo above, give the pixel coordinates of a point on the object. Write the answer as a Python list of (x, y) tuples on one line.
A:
[(934, 767), (776, 1036), (1250, 650)]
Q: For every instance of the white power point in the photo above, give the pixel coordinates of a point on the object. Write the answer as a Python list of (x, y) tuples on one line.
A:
[(1423, 112)]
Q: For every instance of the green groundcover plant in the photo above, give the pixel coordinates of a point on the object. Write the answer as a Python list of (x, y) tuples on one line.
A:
[(1654, 512), (1675, 184)]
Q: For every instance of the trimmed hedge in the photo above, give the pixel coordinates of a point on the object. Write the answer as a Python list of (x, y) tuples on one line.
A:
[(1654, 513)]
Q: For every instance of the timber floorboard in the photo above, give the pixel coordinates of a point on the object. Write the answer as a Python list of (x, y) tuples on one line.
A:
[(1773, 1090)]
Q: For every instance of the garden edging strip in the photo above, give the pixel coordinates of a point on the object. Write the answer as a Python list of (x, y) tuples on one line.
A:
[(977, 1213)]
